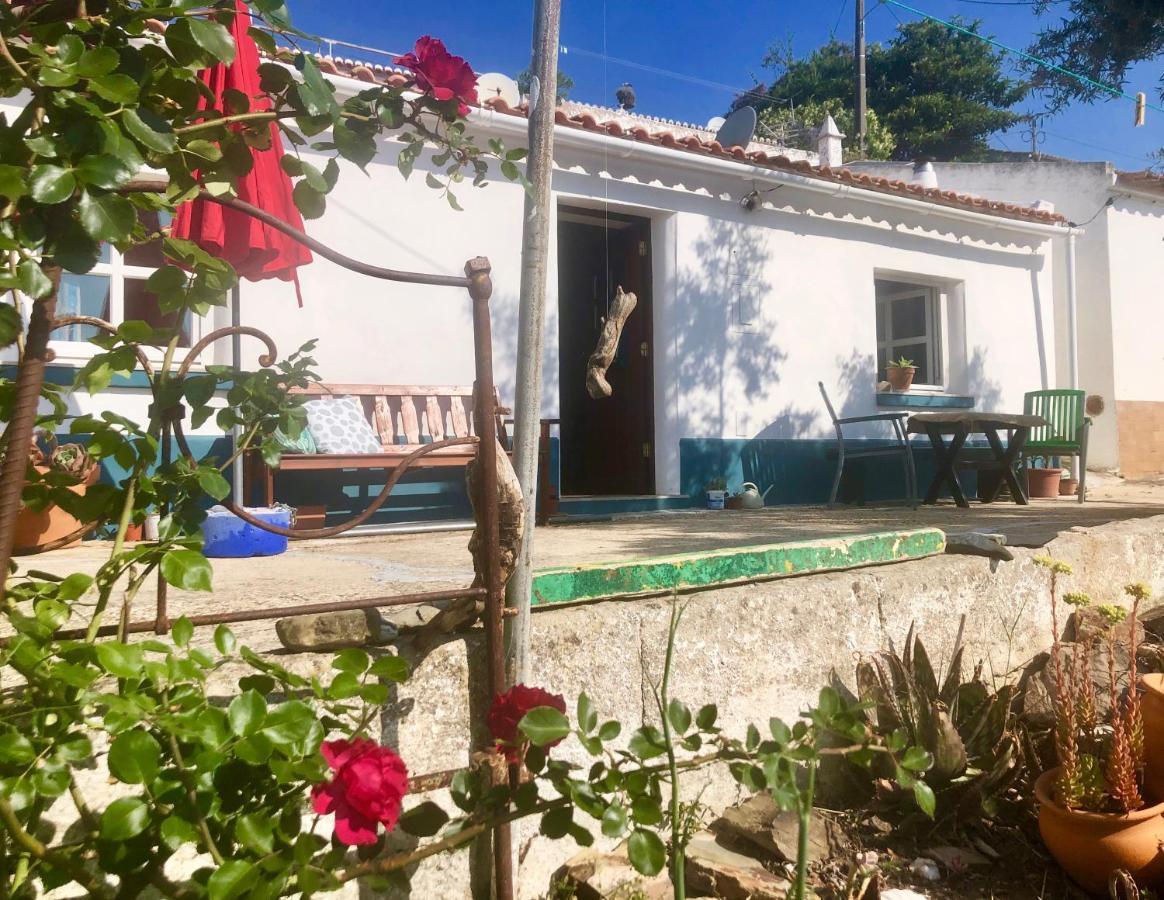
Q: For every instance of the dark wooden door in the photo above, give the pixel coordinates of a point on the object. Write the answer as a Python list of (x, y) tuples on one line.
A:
[(607, 444)]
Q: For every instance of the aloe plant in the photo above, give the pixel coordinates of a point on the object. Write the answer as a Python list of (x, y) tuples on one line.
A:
[(966, 725)]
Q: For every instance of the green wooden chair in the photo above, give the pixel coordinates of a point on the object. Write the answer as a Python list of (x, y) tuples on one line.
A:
[(1067, 433)]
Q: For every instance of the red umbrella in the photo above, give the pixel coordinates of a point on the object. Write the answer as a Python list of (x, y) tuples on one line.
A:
[(256, 250)]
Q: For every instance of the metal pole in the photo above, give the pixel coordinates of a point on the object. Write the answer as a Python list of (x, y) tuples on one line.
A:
[(236, 471), (532, 317), (859, 57)]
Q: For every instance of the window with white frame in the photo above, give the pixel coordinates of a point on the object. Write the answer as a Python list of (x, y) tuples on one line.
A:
[(115, 290), (909, 324)]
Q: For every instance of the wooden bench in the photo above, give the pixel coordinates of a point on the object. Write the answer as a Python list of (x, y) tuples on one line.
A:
[(405, 417)]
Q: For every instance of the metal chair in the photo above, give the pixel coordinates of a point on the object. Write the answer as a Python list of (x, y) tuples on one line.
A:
[(901, 446), (1066, 435)]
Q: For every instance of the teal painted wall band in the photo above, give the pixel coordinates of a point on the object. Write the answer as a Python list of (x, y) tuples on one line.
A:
[(64, 376), (691, 571), (924, 401)]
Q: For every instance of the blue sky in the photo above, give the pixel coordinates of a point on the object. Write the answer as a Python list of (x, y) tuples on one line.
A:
[(722, 41)]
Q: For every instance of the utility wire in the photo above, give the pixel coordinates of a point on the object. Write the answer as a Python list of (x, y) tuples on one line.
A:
[(837, 23), (1046, 64)]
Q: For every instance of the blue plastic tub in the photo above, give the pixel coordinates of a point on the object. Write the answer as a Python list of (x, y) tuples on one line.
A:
[(226, 535)]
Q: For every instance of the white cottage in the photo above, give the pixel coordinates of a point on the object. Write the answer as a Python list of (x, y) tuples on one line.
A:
[(1118, 270), (760, 272)]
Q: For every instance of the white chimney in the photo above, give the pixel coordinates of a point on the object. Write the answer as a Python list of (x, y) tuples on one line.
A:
[(1043, 206), (828, 143), (924, 175)]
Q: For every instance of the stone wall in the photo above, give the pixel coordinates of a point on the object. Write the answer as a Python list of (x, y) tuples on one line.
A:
[(757, 651)]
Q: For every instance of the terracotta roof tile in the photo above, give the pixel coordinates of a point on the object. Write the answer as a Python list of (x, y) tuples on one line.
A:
[(588, 121)]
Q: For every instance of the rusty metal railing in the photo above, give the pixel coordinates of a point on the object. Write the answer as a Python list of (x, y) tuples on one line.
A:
[(477, 282)]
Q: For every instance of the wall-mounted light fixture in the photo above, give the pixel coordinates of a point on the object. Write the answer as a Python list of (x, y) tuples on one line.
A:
[(753, 198)]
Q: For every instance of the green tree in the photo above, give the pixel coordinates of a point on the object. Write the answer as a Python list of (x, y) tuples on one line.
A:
[(938, 92), (1099, 39), (565, 84)]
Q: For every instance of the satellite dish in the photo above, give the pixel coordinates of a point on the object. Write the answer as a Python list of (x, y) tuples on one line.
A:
[(738, 128), (494, 84), (715, 123)]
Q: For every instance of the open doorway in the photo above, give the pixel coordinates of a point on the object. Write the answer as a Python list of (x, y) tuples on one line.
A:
[(606, 444)]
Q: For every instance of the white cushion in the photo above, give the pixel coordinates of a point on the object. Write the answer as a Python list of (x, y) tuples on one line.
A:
[(339, 425)]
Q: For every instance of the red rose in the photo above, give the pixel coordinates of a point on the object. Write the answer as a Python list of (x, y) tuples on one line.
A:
[(507, 711), (440, 74), (369, 784)]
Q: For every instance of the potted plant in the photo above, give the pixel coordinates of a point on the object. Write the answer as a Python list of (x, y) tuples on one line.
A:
[(1068, 486), (1095, 815), (1043, 481), (69, 465), (900, 374), (716, 491)]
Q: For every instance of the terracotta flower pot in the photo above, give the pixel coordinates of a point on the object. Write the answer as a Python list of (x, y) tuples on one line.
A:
[(1068, 487), (1090, 846), (1043, 483), (1152, 710), (39, 528), (900, 378)]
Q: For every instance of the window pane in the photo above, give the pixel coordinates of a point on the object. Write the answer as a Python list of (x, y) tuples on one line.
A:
[(909, 317), (881, 322), (149, 255), (142, 305), (81, 295), (918, 353)]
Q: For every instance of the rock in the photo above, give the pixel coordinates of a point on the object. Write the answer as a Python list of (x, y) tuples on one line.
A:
[(957, 859), (1085, 623), (760, 823), (334, 630), (1153, 621), (925, 869), (592, 875), (714, 870), (405, 618), (978, 543), (1037, 684), (902, 894)]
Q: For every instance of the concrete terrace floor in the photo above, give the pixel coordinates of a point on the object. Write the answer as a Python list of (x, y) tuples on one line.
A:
[(368, 566)]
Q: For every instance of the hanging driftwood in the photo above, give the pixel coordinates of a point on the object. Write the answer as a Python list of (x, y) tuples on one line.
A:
[(596, 384), (464, 611)]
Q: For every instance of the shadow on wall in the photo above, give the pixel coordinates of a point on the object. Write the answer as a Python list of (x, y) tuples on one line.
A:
[(987, 394)]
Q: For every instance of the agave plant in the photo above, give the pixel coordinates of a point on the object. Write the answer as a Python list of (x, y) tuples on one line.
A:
[(965, 725)]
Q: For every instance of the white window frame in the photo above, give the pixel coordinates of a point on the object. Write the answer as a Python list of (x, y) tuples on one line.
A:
[(934, 336)]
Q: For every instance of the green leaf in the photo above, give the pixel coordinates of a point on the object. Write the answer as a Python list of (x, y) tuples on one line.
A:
[(647, 742), (246, 713), (924, 795), (309, 201), (97, 62), (646, 810), (543, 725), (556, 823), (256, 832), (69, 50), (151, 130), (182, 631), (12, 182), (614, 820), (351, 660), (224, 640), (679, 716), (186, 569), (424, 820), (122, 660), (781, 733), (33, 282), (916, 759), (315, 92), (213, 483), (103, 170), (355, 146), (175, 832), (609, 730), (390, 668), (109, 217), (705, 718), (647, 853), (16, 749), (50, 184), (115, 88), (213, 38), (124, 819), (134, 757), (587, 717), (235, 876)]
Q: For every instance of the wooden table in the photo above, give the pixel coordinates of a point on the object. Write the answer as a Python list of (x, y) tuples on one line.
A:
[(959, 425)]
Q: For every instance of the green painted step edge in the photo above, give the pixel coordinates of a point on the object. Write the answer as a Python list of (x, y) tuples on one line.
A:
[(734, 564)]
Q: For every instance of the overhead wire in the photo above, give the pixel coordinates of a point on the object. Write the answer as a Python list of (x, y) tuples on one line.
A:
[(837, 23)]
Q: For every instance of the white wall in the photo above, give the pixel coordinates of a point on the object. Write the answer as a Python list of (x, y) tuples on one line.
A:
[(1136, 232)]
